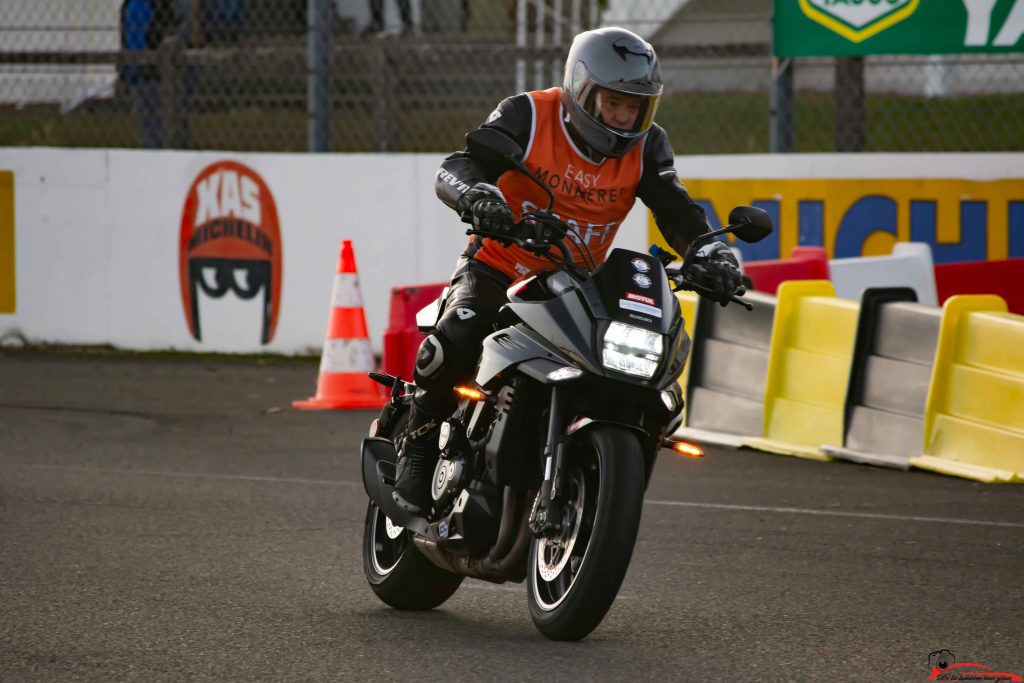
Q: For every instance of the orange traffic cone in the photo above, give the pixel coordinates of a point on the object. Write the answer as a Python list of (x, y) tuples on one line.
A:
[(347, 355)]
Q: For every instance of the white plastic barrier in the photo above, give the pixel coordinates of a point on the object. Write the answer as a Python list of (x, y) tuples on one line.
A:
[(910, 265)]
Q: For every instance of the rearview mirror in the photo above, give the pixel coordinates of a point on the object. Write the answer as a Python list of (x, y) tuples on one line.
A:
[(754, 224), (487, 143)]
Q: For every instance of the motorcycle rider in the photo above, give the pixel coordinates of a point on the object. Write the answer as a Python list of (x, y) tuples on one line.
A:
[(595, 144)]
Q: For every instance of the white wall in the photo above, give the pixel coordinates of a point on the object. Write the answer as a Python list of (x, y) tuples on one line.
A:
[(97, 235), (97, 241)]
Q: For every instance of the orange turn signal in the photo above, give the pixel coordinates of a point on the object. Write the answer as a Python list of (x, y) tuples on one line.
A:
[(470, 393), (687, 449)]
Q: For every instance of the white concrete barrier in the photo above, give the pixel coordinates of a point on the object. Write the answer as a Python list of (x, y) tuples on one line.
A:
[(910, 265)]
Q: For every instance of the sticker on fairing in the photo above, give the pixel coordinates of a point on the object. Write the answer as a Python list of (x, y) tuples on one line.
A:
[(642, 280), (641, 265), (639, 307), (641, 298)]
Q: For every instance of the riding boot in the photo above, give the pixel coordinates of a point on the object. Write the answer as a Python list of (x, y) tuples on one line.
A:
[(417, 459)]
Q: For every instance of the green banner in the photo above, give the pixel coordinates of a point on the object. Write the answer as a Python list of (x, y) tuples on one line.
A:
[(881, 27)]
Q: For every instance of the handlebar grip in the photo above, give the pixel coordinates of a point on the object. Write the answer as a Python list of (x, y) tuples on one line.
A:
[(492, 235), (528, 243), (742, 302), (710, 293)]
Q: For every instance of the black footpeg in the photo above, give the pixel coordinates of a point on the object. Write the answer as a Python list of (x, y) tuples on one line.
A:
[(384, 378), (395, 384)]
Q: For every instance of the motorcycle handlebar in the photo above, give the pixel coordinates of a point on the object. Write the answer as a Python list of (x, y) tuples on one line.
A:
[(683, 282), (547, 231), (732, 297), (529, 243), (546, 238)]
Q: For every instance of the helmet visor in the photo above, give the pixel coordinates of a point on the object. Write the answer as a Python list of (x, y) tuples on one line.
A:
[(623, 108)]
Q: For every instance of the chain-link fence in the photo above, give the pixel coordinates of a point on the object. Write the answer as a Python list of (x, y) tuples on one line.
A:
[(415, 75)]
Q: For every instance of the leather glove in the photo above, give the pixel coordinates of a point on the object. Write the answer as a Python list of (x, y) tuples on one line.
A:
[(717, 269), (485, 207)]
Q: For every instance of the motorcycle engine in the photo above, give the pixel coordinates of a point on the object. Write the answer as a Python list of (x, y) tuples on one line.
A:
[(447, 477)]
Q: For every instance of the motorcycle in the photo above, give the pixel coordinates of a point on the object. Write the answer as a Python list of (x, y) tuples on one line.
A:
[(544, 464)]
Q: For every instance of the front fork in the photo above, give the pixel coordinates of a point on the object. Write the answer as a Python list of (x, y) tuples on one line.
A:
[(546, 517)]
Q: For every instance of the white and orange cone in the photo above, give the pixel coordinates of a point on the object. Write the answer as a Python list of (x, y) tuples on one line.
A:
[(347, 355)]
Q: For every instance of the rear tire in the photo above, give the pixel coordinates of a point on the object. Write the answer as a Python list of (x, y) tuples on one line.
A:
[(398, 573), (573, 580)]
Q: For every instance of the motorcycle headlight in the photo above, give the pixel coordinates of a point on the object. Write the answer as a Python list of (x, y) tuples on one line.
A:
[(632, 350)]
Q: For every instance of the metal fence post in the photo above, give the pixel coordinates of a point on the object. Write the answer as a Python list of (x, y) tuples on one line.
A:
[(850, 133), (170, 60), (781, 125), (520, 45), (318, 62), (385, 104)]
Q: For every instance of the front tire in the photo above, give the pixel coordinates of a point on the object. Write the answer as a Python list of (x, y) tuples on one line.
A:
[(573, 579)]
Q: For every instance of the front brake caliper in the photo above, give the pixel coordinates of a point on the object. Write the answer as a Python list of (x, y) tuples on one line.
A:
[(546, 516)]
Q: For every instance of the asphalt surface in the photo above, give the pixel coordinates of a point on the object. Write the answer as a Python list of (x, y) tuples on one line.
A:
[(175, 519)]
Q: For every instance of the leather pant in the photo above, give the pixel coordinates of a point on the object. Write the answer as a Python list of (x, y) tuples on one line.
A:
[(449, 355)]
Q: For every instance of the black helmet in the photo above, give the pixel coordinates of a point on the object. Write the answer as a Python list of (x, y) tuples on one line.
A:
[(620, 61)]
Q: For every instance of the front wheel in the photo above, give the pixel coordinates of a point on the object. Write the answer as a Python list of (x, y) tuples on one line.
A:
[(573, 578)]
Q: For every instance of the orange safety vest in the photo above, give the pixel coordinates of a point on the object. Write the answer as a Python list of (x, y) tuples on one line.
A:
[(592, 198)]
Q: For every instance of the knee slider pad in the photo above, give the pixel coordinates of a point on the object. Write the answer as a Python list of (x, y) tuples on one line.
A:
[(430, 361)]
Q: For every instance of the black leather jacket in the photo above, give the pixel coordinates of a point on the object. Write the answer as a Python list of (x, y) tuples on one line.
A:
[(678, 217)]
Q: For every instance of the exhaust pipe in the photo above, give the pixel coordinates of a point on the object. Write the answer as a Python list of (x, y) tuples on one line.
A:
[(506, 559)]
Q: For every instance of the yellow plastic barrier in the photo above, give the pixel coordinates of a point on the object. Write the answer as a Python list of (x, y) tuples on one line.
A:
[(974, 417), (688, 305), (7, 290), (808, 370)]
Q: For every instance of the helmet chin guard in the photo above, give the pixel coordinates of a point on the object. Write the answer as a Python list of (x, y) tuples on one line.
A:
[(615, 60)]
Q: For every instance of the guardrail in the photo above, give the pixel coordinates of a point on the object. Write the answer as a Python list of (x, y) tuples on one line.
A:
[(728, 367), (974, 419), (808, 370), (884, 381), (889, 377), (805, 263), (1003, 278), (688, 309), (909, 265)]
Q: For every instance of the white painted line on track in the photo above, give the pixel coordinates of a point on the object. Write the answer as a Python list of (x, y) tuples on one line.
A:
[(834, 513), (498, 587), (189, 475), (479, 584), (664, 503)]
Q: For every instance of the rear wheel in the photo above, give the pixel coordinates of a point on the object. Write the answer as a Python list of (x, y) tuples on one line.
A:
[(396, 570), (574, 578)]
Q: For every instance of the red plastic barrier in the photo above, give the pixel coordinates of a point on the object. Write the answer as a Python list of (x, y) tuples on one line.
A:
[(806, 263), (1005, 278), (402, 338)]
